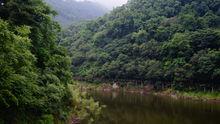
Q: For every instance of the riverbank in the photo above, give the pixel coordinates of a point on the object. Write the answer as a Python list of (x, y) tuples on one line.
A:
[(193, 95), (148, 89)]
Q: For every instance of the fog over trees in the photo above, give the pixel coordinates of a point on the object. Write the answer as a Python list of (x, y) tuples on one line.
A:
[(71, 11)]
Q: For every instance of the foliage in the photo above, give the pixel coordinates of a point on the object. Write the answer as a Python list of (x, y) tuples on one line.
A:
[(201, 95), (174, 43), (85, 108), (35, 69), (18, 75)]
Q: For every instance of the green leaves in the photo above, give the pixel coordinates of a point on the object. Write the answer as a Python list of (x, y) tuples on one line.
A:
[(153, 40), (17, 71), (84, 107), (7, 99), (34, 69)]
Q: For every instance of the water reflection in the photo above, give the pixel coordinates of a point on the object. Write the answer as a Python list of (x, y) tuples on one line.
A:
[(114, 94), (127, 108)]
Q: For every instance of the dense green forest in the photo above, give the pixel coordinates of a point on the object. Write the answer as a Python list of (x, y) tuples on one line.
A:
[(35, 71), (167, 43), (71, 11)]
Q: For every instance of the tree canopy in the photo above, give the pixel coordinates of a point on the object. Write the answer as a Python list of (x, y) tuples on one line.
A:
[(35, 70), (173, 42)]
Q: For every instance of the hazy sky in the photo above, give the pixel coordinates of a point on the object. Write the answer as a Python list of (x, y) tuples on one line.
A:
[(110, 3)]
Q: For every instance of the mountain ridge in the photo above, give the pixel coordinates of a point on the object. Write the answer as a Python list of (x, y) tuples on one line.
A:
[(71, 11), (165, 42)]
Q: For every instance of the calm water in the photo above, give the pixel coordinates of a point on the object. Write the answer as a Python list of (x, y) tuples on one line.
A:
[(123, 108)]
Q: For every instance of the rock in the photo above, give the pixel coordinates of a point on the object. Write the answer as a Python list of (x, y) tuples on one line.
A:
[(115, 86)]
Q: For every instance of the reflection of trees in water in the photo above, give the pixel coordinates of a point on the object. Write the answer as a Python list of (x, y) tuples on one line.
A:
[(114, 94), (125, 108)]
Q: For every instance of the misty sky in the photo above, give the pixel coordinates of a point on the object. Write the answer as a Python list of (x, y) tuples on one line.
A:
[(110, 3)]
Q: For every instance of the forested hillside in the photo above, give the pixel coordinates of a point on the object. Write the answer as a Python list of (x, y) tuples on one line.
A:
[(34, 70), (163, 42), (71, 11)]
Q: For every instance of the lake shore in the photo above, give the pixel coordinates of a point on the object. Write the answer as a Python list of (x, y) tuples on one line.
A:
[(213, 97)]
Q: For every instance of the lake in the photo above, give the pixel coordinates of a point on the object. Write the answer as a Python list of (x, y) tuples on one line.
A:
[(133, 108)]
